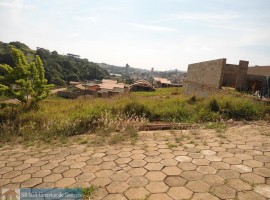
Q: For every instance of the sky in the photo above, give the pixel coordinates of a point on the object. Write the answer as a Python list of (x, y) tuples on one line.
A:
[(163, 34)]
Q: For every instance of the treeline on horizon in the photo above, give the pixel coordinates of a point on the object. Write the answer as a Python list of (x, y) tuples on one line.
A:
[(59, 69)]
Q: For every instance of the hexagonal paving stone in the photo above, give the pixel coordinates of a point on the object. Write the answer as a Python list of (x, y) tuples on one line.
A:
[(263, 190), (107, 165), (161, 196), (241, 168), (253, 163), (20, 178), (137, 181), (167, 155), (65, 182), (152, 153), (117, 187), (183, 159), (238, 185), (172, 171), (220, 165), (175, 181), (201, 161), (196, 155), (101, 181), (204, 196), (115, 197), (179, 193), (228, 173), (206, 170), (137, 163), (262, 171), (198, 186), (138, 156), (249, 195), (187, 166), (120, 161), (124, 154), (52, 178), (223, 192), (85, 177), (154, 166), (41, 173), (213, 158), (77, 165), (191, 175), (94, 161), (136, 193), (32, 182), (137, 171), (213, 180), (155, 176), (110, 157), (31, 170), (11, 174), (120, 176), (208, 152), (104, 173), (262, 158), (169, 162), (96, 155), (157, 187), (253, 178), (153, 159), (232, 161), (72, 173)]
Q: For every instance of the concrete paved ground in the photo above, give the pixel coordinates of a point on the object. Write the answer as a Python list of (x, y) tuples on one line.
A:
[(192, 164)]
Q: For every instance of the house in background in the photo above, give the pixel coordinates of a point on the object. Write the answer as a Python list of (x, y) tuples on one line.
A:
[(141, 85), (106, 88), (162, 82)]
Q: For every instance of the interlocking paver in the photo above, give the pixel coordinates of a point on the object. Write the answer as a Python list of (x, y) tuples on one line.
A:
[(136, 193), (183, 158), (198, 186), (191, 175), (213, 180), (223, 192), (155, 176), (249, 195), (161, 196), (207, 167), (238, 185), (137, 181), (206, 170), (117, 187), (179, 193), (154, 166), (263, 190), (157, 187), (175, 181)]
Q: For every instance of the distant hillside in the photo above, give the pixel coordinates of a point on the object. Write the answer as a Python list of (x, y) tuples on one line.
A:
[(58, 68), (121, 70)]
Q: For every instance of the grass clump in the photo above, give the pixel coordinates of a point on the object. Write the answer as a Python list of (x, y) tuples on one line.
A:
[(59, 118)]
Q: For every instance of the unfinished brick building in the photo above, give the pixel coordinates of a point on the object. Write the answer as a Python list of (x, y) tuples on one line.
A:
[(208, 77)]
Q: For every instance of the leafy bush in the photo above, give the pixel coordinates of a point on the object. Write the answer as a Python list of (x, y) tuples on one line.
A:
[(136, 109)]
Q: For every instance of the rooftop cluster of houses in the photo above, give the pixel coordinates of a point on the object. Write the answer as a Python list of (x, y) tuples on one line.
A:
[(108, 88)]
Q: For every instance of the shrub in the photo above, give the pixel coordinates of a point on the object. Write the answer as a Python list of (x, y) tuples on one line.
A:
[(136, 109)]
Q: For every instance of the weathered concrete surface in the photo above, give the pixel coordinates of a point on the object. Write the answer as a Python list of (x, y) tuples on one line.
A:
[(197, 164)]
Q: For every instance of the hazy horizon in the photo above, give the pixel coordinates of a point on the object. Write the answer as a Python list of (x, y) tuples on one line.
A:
[(164, 34)]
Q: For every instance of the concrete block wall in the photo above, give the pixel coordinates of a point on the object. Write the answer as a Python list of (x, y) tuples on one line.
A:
[(241, 78), (209, 73)]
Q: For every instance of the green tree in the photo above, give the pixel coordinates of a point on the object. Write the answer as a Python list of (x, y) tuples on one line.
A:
[(25, 81)]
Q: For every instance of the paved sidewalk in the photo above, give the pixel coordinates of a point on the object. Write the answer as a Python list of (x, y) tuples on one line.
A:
[(195, 164)]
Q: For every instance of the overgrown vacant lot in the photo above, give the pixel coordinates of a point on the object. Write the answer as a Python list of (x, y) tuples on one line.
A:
[(120, 116)]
